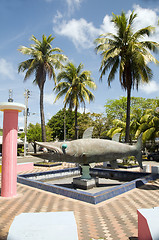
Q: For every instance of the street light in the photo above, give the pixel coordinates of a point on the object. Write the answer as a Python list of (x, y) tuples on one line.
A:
[(10, 99), (26, 114)]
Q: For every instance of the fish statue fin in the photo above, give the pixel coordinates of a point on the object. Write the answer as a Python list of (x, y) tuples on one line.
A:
[(116, 137), (92, 165), (88, 133), (139, 153)]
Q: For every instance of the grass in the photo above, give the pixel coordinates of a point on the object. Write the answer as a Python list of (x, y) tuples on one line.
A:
[(47, 164)]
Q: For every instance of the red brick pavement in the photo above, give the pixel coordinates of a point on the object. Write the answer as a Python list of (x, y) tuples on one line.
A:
[(114, 219)]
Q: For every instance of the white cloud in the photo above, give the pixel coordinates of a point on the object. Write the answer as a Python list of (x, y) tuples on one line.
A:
[(57, 17), (50, 98), (83, 33), (72, 5), (150, 87), (79, 31), (107, 25), (7, 69), (145, 17)]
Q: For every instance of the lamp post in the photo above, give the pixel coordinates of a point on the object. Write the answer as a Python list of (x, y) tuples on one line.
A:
[(9, 147), (26, 114)]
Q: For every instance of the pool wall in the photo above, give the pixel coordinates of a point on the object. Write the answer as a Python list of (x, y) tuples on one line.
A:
[(136, 179)]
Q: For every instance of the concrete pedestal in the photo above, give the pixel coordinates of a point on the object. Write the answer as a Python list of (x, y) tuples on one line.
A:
[(85, 183)]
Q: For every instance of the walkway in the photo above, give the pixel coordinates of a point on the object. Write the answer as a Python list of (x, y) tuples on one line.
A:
[(111, 220)]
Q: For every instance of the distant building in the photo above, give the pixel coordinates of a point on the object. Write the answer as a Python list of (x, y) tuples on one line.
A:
[(19, 142)]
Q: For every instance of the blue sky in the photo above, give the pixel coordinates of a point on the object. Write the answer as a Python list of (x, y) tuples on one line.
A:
[(74, 24)]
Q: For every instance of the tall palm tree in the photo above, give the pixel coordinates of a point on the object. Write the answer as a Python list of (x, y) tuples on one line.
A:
[(42, 63), (127, 52), (74, 87)]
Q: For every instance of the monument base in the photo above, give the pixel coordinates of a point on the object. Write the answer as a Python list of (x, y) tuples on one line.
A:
[(85, 184)]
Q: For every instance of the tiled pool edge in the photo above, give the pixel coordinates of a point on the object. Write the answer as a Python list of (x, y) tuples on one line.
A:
[(78, 195)]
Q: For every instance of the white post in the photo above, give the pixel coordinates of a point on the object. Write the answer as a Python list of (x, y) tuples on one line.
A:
[(26, 94)]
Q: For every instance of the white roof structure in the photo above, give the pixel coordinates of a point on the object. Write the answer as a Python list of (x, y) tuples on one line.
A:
[(18, 140)]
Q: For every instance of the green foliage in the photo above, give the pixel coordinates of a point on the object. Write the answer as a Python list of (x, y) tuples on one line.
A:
[(149, 125), (1, 132), (85, 120), (100, 123), (129, 161), (141, 114), (96, 120), (116, 108), (56, 124), (20, 150), (34, 133)]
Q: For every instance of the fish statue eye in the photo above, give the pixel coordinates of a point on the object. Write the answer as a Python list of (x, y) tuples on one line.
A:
[(64, 146)]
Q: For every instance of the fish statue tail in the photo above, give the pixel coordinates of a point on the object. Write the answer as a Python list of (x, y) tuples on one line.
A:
[(139, 153)]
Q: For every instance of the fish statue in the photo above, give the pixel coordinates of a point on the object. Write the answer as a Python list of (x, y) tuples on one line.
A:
[(88, 151)]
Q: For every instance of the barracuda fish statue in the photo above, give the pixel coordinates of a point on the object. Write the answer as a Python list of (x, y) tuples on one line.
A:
[(88, 151)]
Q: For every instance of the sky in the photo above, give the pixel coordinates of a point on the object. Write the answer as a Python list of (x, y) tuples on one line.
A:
[(75, 24)]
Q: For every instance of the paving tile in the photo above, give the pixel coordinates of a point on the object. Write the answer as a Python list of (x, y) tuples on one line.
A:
[(113, 219)]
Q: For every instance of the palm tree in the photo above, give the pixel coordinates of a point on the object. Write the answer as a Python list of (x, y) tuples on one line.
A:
[(149, 125), (119, 126), (42, 63), (74, 87), (125, 51)]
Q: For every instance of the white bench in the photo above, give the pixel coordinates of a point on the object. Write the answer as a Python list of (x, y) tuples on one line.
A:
[(44, 226)]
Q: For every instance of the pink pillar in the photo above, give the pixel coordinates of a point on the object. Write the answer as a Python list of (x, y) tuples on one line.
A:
[(9, 154), (9, 148)]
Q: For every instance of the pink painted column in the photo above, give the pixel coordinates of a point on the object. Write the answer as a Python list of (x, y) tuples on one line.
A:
[(9, 148)]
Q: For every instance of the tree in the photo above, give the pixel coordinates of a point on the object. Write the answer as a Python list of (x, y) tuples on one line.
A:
[(72, 84), (42, 63), (125, 51), (116, 117), (56, 124), (116, 108), (34, 134), (149, 125), (100, 123)]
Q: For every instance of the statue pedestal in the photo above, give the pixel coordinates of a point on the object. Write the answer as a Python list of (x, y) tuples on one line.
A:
[(85, 184)]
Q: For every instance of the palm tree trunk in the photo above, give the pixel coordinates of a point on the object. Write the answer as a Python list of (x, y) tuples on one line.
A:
[(127, 133), (34, 147), (64, 123), (42, 114), (76, 130)]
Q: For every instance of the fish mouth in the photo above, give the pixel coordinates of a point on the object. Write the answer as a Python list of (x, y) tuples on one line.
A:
[(56, 150)]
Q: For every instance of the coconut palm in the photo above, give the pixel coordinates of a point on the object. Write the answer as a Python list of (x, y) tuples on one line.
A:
[(72, 84), (119, 126), (149, 125), (127, 52), (42, 63)]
